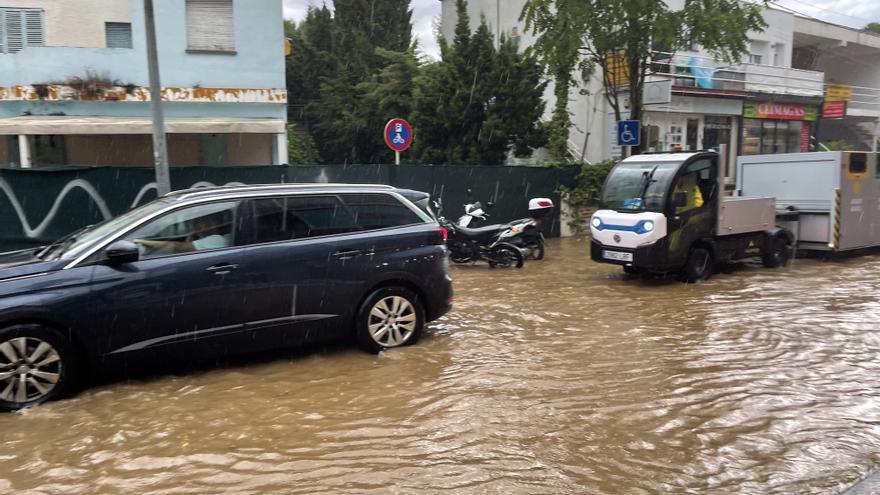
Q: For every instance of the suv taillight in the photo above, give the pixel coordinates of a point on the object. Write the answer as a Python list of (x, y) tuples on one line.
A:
[(443, 232)]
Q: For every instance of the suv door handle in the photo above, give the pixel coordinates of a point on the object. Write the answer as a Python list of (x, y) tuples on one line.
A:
[(222, 268), (347, 253)]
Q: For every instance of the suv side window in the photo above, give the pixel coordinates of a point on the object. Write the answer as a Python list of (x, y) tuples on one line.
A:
[(298, 217), (380, 211), (196, 228)]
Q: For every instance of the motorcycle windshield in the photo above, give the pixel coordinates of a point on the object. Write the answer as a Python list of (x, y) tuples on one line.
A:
[(638, 186)]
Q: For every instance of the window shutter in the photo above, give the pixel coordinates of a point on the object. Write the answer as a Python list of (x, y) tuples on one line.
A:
[(2, 31), (14, 31), (33, 21), (209, 25), (118, 34), (20, 28)]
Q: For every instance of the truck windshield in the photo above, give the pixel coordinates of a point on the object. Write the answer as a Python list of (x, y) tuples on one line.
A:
[(638, 186)]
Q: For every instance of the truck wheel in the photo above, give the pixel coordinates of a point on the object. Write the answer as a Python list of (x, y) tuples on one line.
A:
[(631, 270), (778, 252), (699, 265)]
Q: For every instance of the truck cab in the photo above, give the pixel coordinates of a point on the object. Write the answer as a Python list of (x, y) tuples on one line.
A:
[(666, 212)]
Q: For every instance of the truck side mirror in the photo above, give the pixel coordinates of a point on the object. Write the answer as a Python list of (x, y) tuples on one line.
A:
[(679, 199)]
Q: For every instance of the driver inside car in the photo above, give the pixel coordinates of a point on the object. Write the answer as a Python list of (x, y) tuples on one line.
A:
[(208, 232)]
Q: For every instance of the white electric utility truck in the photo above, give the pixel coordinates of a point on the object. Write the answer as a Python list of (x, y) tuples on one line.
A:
[(667, 212)]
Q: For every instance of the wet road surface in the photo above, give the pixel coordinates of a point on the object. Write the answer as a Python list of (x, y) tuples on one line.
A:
[(562, 377)]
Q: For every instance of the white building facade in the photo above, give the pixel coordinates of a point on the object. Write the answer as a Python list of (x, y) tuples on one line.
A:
[(771, 102)]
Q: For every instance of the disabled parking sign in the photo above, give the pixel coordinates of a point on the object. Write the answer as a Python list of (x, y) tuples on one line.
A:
[(628, 133), (398, 134)]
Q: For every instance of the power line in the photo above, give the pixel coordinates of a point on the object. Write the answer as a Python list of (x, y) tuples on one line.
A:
[(813, 6)]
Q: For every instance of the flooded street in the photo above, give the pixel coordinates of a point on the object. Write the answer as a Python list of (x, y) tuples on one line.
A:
[(562, 377)]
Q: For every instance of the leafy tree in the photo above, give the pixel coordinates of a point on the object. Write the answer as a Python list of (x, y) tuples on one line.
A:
[(838, 145), (518, 100), (310, 60), (300, 148), (588, 185), (478, 103), (620, 36), (388, 94), (873, 27), (346, 124)]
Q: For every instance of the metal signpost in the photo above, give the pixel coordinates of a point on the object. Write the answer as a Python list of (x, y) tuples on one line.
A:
[(160, 150), (398, 136)]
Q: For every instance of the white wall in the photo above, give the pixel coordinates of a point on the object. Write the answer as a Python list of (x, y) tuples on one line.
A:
[(777, 38), (77, 23)]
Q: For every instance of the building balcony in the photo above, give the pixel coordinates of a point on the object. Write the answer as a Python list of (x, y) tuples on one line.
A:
[(710, 76), (782, 80)]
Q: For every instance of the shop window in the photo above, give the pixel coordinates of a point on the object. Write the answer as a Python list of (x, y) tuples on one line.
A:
[(752, 131), (652, 138), (693, 126)]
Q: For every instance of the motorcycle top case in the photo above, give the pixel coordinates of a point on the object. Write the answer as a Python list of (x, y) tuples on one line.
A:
[(540, 207)]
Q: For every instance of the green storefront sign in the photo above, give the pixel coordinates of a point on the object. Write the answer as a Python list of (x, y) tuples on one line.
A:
[(779, 111)]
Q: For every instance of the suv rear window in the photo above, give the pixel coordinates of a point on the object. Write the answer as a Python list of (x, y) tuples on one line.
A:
[(298, 217), (379, 211)]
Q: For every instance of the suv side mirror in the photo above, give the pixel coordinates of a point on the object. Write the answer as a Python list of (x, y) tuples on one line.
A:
[(122, 252), (679, 199)]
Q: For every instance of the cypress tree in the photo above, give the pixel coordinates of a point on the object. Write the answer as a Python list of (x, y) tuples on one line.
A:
[(478, 104)]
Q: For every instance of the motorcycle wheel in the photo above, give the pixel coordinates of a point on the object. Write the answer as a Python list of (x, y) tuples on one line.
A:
[(538, 251), (460, 252), (505, 257)]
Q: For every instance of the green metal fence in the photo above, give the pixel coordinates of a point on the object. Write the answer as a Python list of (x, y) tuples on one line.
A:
[(40, 205)]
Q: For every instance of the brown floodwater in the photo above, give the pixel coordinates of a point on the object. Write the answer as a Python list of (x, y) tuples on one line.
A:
[(562, 377)]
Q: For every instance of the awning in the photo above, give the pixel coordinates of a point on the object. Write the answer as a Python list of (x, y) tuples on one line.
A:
[(136, 125)]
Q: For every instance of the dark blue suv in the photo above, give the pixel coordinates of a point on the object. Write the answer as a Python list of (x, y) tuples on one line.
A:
[(211, 272)]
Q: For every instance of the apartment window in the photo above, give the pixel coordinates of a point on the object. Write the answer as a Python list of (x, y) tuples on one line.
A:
[(755, 59), (209, 25), (20, 28), (118, 34)]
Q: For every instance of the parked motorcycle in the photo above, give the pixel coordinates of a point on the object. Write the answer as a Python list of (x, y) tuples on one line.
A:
[(490, 244), (526, 232)]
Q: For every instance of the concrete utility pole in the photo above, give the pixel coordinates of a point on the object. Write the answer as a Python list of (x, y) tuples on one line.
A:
[(160, 150)]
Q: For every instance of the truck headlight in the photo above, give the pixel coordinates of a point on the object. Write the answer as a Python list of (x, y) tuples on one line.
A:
[(596, 222), (648, 226)]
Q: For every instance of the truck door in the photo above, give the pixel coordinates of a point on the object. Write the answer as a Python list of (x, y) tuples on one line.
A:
[(692, 211)]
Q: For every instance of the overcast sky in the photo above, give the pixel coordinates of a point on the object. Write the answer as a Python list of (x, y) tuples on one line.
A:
[(853, 13)]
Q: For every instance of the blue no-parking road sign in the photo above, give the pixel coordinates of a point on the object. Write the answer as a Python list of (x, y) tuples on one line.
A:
[(628, 133)]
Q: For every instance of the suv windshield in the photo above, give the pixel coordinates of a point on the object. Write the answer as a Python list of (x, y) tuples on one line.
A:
[(75, 244), (638, 186)]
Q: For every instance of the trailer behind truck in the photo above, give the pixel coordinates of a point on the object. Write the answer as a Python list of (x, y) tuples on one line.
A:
[(829, 200)]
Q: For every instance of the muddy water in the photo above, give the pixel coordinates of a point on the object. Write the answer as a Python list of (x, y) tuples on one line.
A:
[(564, 377)]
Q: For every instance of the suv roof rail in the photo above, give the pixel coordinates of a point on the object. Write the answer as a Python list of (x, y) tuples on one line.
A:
[(292, 187)]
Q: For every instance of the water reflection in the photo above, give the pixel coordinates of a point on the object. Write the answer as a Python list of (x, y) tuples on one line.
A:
[(563, 377)]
